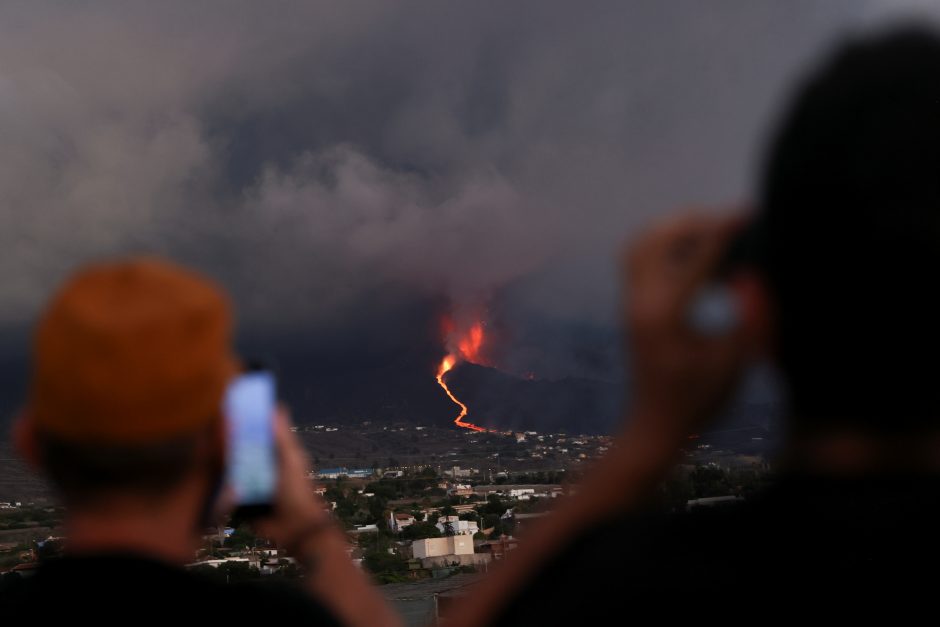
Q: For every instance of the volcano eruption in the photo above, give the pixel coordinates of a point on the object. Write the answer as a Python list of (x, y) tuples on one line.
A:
[(468, 349)]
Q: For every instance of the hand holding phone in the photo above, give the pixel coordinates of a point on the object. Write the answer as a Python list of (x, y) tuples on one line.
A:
[(297, 508), (680, 376), (714, 310)]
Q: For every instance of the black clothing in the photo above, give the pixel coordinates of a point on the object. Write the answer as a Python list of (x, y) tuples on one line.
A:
[(809, 546), (127, 588)]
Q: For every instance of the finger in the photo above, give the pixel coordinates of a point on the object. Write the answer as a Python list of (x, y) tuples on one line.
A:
[(294, 456), (281, 424), (677, 259), (703, 257), (660, 246), (688, 250)]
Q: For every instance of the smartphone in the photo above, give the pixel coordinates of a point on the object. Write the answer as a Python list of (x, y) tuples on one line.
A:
[(251, 472)]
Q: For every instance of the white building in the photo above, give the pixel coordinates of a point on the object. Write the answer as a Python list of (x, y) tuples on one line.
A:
[(460, 490), (447, 552), (457, 526), (440, 547), (365, 529), (458, 472), (397, 522)]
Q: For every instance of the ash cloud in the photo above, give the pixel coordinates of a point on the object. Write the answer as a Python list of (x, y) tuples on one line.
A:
[(338, 164)]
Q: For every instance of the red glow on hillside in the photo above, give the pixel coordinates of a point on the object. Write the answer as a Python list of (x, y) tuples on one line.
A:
[(468, 347)]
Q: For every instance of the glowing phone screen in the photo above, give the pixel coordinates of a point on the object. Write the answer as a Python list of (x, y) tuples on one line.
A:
[(249, 408)]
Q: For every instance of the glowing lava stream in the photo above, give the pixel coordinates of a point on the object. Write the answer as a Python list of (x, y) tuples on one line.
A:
[(446, 366)]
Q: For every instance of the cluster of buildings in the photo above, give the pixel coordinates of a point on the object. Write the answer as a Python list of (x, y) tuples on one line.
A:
[(447, 525), (459, 549), (336, 473), (266, 560)]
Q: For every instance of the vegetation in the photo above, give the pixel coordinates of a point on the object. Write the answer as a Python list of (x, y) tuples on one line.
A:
[(229, 572), (31, 516), (541, 476), (382, 558), (709, 480), (242, 538), (419, 531)]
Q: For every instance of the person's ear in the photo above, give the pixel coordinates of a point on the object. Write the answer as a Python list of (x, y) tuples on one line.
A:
[(26, 440), (214, 442), (756, 311), (218, 499)]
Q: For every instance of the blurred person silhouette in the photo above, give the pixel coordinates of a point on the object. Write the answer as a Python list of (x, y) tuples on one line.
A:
[(834, 284), (124, 416)]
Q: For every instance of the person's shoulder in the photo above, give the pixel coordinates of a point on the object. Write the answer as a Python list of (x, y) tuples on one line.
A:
[(284, 598), (136, 585), (802, 537), (656, 529), (12, 585), (635, 560)]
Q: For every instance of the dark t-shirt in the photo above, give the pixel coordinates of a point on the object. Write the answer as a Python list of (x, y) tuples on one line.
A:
[(807, 547), (126, 588)]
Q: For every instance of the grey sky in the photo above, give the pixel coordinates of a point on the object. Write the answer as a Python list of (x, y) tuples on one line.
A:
[(313, 156)]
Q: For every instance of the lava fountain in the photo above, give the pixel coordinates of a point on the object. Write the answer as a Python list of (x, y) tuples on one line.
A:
[(468, 349)]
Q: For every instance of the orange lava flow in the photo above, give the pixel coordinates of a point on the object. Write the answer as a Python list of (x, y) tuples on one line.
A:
[(446, 366)]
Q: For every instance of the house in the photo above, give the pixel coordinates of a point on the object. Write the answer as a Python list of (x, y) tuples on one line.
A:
[(460, 490), (365, 529), (275, 565), (457, 472), (352, 473), (456, 526), (497, 549), (253, 562), (446, 552), (522, 494), (332, 473), (399, 521), (439, 547)]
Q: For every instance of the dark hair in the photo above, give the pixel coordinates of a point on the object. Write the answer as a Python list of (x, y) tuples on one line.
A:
[(86, 472), (849, 235)]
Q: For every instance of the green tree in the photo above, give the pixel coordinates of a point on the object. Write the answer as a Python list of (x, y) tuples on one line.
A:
[(420, 530), (238, 571), (241, 538)]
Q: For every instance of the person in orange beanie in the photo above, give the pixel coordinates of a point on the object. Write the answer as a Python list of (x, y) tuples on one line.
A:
[(131, 359)]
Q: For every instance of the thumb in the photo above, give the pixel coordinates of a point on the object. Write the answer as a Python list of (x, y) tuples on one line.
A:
[(281, 424)]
